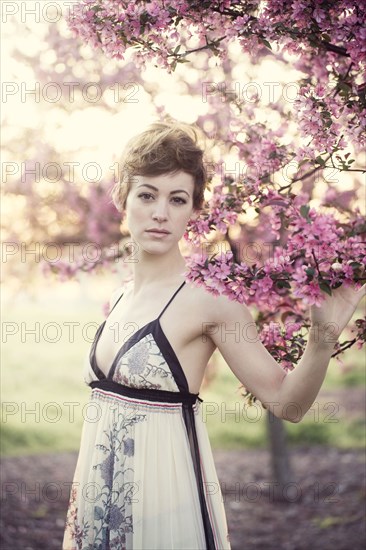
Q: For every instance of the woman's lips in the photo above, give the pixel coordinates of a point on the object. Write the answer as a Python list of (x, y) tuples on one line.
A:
[(158, 233)]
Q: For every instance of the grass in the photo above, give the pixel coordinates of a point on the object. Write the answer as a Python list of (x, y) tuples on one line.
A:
[(43, 391), (233, 424), (44, 394)]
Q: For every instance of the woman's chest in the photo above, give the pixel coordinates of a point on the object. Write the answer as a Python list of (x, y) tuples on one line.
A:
[(169, 344)]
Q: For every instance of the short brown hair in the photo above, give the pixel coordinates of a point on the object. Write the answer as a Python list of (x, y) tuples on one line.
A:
[(165, 147)]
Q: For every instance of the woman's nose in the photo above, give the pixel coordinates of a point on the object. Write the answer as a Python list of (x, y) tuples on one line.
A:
[(159, 219), (160, 212)]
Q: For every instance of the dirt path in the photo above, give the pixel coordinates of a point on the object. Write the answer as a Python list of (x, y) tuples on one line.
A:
[(326, 513)]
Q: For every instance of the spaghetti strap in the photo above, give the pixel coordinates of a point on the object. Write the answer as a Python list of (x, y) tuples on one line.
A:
[(175, 293), (115, 304)]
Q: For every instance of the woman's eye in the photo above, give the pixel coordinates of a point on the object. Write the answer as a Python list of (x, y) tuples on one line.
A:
[(145, 195), (180, 200)]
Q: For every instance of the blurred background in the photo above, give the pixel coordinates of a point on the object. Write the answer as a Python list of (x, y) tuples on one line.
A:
[(67, 113)]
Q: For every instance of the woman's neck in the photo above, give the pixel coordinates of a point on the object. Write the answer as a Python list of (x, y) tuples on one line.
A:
[(152, 271)]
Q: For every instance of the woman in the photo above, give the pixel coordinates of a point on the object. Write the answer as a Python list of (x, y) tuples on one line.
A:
[(145, 476)]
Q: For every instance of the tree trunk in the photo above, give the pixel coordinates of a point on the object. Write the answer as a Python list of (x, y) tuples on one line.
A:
[(284, 488)]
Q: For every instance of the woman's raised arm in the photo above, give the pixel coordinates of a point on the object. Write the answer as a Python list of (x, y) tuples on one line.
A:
[(288, 395)]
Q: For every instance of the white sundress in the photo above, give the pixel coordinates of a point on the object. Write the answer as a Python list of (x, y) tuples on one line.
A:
[(145, 477)]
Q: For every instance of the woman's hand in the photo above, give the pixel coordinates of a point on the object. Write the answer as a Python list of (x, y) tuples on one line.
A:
[(336, 311)]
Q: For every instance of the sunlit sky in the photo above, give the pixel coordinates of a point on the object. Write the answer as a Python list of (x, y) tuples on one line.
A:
[(78, 129), (93, 133)]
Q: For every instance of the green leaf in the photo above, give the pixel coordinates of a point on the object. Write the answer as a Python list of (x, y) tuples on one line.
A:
[(266, 43), (320, 160), (344, 87), (310, 271), (283, 284), (324, 286), (304, 210)]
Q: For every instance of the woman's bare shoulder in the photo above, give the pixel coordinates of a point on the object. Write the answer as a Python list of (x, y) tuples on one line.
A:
[(215, 308), (203, 303)]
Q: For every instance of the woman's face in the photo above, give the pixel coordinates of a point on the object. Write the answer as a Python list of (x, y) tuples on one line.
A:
[(159, 202)]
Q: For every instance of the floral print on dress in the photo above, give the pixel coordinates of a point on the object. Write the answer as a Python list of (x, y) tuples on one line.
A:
[(144, 366), (78, 532), (109, 521), (138, 358)]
